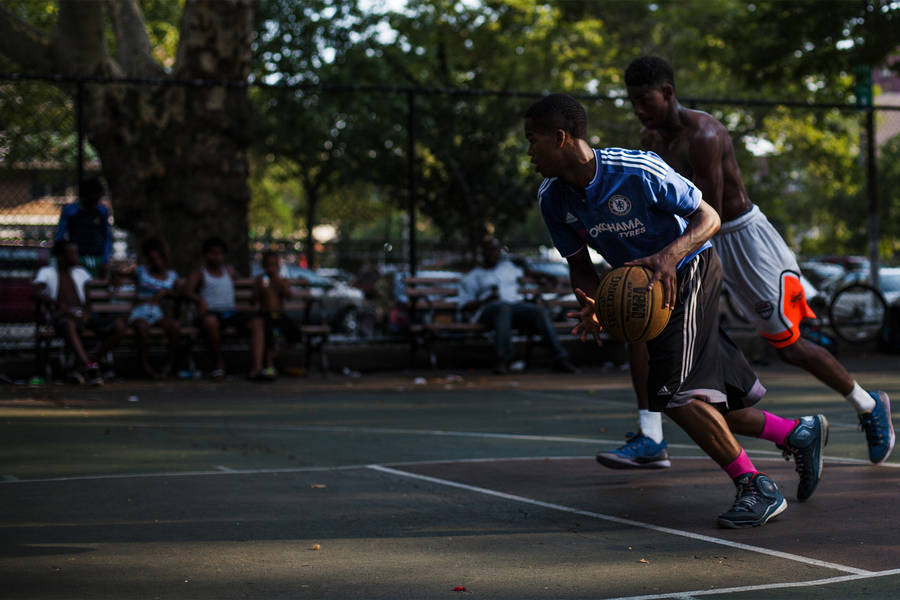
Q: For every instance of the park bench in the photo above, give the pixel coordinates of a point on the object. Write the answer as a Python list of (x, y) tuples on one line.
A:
[(110, 301), (435, 315)]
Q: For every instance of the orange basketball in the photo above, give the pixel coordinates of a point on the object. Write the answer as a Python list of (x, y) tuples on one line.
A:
[(627, 311)]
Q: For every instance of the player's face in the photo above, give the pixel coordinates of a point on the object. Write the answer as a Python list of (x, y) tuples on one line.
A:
[(156, 260), (542, 149), (215, 256), (650, 104)]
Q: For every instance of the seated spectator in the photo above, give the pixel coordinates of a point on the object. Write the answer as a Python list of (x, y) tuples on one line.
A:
[(492, 291), (269, 293), (86, 224), (154, 282), (61, 287), (211, 288)]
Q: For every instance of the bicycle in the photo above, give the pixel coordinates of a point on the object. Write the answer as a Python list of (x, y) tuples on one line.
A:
[(857, 313)]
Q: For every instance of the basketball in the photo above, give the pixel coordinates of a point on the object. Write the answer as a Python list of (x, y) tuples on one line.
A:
[(626, 310)]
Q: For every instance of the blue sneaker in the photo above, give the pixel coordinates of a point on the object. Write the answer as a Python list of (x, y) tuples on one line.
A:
[(757, 502), (879, 428), (806, 443), (639, 452)]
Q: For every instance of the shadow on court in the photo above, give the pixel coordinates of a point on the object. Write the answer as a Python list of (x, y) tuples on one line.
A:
[(380, 488)]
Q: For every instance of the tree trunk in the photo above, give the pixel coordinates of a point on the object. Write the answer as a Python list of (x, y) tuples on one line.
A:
[(176, 157), (176, 164)]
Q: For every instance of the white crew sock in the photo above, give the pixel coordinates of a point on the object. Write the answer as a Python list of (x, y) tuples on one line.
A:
[(651, 424), (860, 399)]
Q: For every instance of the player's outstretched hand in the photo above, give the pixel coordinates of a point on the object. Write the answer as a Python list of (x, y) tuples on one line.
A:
[(587, 319), (663, 267)]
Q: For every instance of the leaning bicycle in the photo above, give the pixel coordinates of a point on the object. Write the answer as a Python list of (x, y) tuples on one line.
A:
[(857, 313)]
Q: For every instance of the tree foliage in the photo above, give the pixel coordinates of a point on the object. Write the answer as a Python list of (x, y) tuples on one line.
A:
[(158, 144)]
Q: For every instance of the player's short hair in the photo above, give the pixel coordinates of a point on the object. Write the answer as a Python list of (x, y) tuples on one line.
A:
[(154, 244), (649, 70), (267, 255), (59, 247), (91, 189), (559, 111), (214, 242)]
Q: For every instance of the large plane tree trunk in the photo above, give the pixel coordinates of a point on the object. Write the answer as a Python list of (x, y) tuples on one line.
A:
[(175, 157)]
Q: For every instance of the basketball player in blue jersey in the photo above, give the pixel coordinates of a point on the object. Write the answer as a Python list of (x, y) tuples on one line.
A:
[(760, 271), (635, 210)]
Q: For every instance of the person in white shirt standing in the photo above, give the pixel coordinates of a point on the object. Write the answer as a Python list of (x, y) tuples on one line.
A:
[(61, 288), (492, 292)]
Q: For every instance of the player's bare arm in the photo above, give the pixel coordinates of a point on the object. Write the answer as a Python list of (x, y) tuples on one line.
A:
[(703, 223), (191, 291), (705, 154)]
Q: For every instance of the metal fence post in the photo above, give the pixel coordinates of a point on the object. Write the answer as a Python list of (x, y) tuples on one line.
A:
[(79, 118), (872, 192), (411, 177)]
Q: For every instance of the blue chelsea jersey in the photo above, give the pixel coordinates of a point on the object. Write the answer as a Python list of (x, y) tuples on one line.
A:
[(634, 206)]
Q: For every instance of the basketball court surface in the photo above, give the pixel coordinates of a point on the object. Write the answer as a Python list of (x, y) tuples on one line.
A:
[(464, 485)]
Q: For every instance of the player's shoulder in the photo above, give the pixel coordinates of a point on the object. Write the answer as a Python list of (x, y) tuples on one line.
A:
[(704, 127), (45, 272), (548, 188), (633, 162), (81, 273)]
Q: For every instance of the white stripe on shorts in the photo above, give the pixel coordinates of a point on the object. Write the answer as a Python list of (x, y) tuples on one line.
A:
[(689, 328)]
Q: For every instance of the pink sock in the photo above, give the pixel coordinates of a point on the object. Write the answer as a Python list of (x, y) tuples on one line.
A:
[(777, 428), (739, 466)]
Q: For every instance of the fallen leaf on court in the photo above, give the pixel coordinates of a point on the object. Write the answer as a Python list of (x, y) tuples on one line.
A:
[(317, 486), (317, 547), (459, 588), (645, 561)]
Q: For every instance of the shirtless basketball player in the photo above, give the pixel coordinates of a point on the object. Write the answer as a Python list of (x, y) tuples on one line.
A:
[(760, 271)]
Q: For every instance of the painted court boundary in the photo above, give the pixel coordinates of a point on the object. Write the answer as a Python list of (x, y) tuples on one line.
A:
[(429, 432), (621, 521), (855, 573)]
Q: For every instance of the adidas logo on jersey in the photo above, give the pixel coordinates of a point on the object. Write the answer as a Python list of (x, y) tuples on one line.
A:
[(570, 218)]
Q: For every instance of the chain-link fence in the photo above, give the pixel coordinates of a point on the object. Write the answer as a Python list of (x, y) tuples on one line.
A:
[(411, 176)]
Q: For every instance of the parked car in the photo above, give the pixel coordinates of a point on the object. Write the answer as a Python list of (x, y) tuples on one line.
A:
[(888, 279), (339, 305)]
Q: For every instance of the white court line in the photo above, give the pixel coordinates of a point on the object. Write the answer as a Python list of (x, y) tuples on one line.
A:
[(185, 474), (630, 522), (438, 433), (761, 587), (221, 470)]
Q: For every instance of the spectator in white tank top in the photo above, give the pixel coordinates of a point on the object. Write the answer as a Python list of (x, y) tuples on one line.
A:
[(211, 288)]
